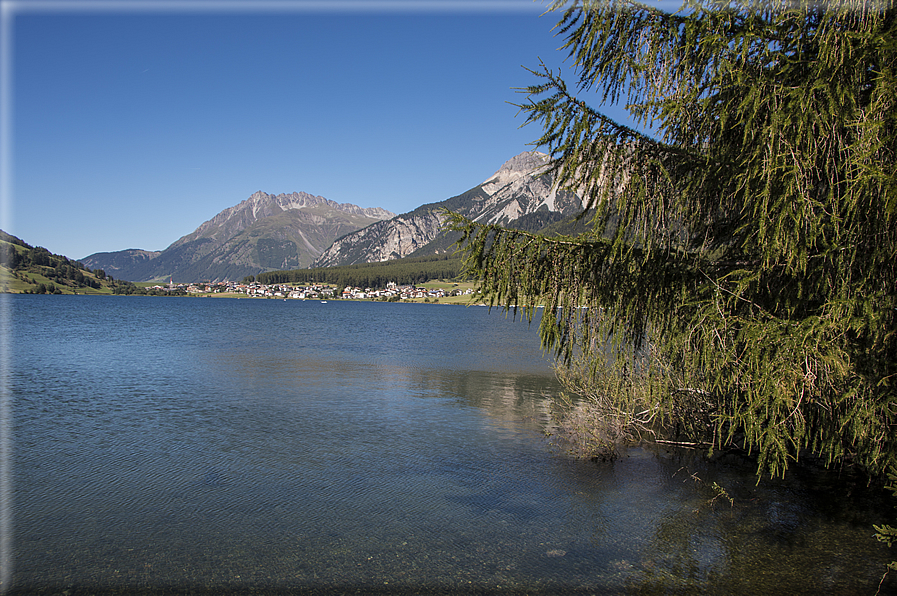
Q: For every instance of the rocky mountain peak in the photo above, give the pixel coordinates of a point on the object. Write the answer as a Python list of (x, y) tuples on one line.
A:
[(294, 230), (304, 200), (515, 168), (516, 195), (262, 233), (261, 205)]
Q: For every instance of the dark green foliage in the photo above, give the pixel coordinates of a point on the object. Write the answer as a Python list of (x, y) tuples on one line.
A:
[(39, 256), (127, 288), (536, 222), (11, 258), (750, 245), (20, 257), (371, 275), (887, 533)]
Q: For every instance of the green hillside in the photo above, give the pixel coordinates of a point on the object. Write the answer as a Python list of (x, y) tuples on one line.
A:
[(26, 269)]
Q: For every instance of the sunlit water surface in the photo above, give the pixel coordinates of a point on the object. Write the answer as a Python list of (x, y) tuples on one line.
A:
[(166, 445)]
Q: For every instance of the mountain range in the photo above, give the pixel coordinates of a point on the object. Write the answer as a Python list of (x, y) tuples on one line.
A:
[(298, 230), (518, 195), (263, 233)]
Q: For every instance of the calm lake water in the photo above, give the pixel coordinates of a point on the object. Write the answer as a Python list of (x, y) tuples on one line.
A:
[(174, 445)]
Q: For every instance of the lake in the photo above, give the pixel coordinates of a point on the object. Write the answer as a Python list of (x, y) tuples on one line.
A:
[(174, 445)]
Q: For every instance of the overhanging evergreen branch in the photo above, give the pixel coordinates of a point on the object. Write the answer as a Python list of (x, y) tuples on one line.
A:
[(750, 246)]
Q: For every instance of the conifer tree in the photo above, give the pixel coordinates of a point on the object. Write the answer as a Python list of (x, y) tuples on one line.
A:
[(741, 262)]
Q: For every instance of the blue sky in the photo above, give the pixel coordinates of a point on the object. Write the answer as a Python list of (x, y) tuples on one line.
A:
[(133, 123)]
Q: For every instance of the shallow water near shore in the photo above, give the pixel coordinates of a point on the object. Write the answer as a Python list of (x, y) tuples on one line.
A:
[(167, 445)]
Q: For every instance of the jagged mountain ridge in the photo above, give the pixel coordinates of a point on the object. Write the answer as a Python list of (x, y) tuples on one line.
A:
[(262, 205), (122, 260), (520, 194), (297, 230), (263, 233)]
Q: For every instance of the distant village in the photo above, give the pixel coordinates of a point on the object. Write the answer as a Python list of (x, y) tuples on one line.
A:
[(312, 292)]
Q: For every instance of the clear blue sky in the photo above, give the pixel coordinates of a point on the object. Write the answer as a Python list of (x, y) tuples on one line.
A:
[(129, 128)]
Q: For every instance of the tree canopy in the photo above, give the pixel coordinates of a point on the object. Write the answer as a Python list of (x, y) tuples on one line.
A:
[(742, 254), (410, 270)]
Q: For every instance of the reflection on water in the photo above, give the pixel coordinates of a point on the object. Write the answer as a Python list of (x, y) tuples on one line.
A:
[(219, 445)]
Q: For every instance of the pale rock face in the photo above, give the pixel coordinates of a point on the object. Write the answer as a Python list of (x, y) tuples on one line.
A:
[(416, 233), (514, 169), (521, 195), (518, 188), (384, 241)]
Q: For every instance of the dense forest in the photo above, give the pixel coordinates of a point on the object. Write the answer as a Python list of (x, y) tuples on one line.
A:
[(371, 275)]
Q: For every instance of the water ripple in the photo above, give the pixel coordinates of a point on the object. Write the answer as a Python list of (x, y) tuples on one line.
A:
[(252, 445)]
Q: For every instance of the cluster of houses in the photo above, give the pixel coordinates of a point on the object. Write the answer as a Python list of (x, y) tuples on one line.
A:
[(396, 292), (314, 291)]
